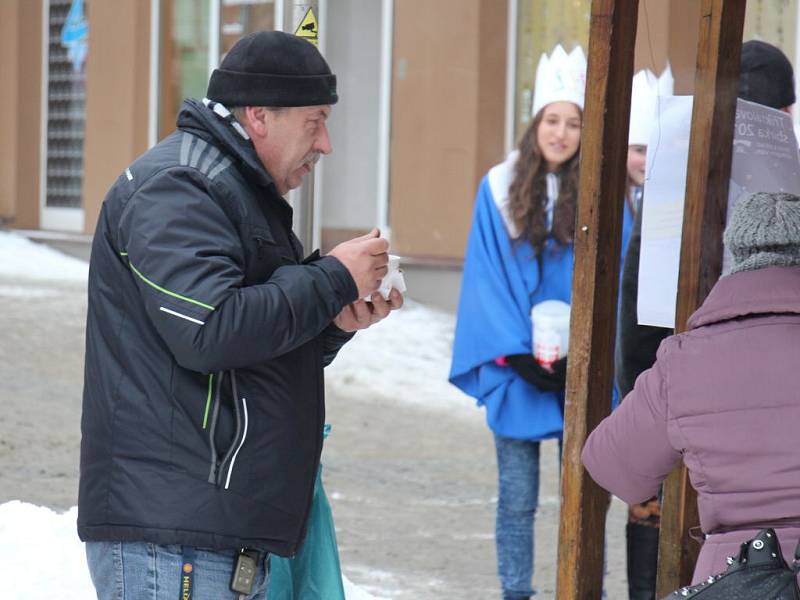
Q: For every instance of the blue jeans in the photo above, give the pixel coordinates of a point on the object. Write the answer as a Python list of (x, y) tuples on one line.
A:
[(142, 571), (518, 498)]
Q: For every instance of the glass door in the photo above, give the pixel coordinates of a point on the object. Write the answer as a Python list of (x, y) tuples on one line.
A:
[(194, 37)]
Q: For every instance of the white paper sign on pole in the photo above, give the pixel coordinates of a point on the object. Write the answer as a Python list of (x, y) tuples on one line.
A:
[(765, 159), (662, 216)]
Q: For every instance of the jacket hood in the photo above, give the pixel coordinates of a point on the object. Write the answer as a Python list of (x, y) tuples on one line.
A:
[(200, 120), (774, 290)]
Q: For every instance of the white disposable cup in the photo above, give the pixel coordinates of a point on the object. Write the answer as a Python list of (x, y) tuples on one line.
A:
[(550, 331), (392, 280)]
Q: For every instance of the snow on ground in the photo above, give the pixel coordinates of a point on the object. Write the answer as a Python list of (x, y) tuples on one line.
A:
[(40, 552), (27, 291), (405, 357), (24, 259)]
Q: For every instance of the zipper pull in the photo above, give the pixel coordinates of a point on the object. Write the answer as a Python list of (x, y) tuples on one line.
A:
[(260, 243)]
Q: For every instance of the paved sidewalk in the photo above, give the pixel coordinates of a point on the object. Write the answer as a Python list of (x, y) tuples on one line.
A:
[(414, 494)]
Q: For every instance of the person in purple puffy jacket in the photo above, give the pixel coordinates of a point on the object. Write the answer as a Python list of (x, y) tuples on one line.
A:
[(724, 395)]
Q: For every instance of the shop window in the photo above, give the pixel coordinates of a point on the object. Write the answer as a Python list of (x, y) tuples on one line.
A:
[(66, 102), (184, 60), (240, 17), (186, 45)]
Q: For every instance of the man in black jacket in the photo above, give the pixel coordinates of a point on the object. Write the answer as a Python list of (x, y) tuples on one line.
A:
[(207, 334)]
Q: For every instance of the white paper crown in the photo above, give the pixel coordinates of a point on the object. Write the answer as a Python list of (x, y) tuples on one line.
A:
[(645, 90), (560, 77)]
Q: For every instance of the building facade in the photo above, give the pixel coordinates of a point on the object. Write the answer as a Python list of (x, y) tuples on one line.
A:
[(432, 94)]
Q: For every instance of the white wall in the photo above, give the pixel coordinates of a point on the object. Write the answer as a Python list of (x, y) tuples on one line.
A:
[(350, 176)]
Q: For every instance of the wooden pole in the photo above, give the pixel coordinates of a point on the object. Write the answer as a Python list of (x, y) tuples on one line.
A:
[(710, 148), (604, 148)]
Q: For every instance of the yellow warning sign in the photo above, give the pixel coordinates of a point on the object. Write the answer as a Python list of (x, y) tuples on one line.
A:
[(308, 28)]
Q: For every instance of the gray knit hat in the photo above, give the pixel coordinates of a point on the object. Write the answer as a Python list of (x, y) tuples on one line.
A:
[(764, 231)]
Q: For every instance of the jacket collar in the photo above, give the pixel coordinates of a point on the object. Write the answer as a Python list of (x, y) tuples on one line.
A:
[(775, 290), (201, 120)]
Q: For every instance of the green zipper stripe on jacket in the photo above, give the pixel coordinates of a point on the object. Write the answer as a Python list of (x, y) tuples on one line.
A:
[(208, 400), (167, 292)]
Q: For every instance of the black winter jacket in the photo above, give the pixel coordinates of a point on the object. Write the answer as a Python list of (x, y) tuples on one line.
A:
[(636, 344), (206, 338)]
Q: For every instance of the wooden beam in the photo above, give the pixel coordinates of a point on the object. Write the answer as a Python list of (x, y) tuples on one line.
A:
[(604, 149), (710, 147)]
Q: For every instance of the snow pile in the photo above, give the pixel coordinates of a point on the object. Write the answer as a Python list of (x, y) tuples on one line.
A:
[(405, 357), (21, 258), (40, 552)]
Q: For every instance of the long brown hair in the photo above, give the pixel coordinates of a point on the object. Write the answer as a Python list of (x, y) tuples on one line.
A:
[(528, 193)]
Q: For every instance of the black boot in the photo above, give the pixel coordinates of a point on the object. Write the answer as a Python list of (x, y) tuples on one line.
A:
[(642, 549)]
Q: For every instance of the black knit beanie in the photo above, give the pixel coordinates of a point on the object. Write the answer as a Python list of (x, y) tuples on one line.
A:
[(275, 69), (766, 75)]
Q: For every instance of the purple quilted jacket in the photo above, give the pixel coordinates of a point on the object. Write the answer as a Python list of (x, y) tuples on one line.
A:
[(725, 397)]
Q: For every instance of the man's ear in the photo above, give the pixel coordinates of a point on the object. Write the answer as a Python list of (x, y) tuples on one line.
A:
[(257, 120)]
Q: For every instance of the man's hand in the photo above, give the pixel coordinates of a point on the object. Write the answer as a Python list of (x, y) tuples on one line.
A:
[(366, 258), (361, 314)]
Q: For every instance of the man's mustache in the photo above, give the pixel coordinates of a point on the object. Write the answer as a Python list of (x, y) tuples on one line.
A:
[(311, 158)]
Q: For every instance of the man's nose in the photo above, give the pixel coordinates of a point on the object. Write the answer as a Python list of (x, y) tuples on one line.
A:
[(323, 141)]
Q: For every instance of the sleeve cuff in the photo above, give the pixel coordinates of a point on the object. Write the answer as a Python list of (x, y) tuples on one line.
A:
[(341, 279)]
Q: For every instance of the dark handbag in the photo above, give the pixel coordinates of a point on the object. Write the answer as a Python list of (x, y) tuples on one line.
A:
[(758, 573)]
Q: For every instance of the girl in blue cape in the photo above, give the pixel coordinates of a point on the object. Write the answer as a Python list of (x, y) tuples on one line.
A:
[(520, 253)]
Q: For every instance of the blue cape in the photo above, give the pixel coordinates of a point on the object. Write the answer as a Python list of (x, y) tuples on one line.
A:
[(502, 280), (627, 229)]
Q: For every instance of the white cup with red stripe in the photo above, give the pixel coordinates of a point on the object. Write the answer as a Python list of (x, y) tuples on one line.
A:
[(550, 331)]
